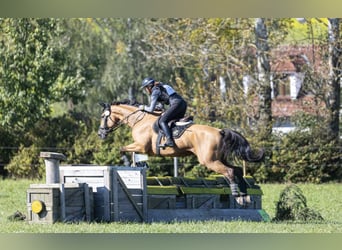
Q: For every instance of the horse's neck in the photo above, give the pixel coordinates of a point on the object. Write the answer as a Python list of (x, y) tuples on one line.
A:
[(127, 112)]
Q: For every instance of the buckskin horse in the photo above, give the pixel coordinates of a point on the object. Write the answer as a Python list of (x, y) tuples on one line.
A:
[(213, 147)]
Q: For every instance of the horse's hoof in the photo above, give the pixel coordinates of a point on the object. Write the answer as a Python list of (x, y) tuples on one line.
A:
[(248, 199), (243, 201), (239, 200)]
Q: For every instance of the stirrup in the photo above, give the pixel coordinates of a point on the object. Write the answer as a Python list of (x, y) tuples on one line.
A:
[(168, 143), (163, 146)]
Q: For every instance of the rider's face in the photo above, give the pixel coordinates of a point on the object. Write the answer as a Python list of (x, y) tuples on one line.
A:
[(148, 89)]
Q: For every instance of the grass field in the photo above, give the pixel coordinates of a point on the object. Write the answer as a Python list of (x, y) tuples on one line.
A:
[(323, 198)]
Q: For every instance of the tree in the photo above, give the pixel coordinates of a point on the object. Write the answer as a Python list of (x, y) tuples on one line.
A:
[(206, 59), (324, 80), (127, 64), (264, 85), (333, 94), (43, 61), (27, 68)]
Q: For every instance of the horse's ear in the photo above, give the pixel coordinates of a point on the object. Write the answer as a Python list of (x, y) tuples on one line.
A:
[(102, 104)]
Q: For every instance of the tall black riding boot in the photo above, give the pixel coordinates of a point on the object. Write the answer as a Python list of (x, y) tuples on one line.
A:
[(167, 131)]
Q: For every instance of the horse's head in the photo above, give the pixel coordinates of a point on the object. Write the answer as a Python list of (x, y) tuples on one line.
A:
[(116, 114), (108, 121)]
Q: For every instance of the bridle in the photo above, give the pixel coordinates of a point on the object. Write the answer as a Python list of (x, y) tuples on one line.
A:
[(107, 116)]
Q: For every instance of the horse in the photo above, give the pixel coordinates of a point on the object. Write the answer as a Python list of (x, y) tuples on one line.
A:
[(213, 147)]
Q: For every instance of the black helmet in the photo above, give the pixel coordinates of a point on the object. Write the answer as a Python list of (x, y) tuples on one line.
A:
[(147, 81)]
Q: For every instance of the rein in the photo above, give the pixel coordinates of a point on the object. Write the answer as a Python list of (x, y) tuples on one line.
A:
[(121, 122)]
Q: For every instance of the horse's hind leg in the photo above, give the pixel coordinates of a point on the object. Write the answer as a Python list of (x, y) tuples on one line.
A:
[(229, 172), (235, 178), (238, 178)]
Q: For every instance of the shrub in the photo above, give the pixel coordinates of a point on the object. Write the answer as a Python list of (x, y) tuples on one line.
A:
[(306, 155), (292, 206), (26, 164)]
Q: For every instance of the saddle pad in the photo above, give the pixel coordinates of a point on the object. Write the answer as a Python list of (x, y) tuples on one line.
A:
[(177, 130)]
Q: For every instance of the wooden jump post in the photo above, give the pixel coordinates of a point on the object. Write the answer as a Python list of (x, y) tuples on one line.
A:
[(52, 160), (56, 201)]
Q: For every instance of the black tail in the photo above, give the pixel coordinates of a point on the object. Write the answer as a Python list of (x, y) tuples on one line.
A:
[(234, 144)]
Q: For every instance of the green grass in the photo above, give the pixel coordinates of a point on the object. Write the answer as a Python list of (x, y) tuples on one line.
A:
[(324, 198)]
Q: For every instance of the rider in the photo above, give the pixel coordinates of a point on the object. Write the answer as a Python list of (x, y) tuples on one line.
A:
[(165, 94)]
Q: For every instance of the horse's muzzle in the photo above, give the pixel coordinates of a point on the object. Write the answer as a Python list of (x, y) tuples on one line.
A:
[(102, 133)]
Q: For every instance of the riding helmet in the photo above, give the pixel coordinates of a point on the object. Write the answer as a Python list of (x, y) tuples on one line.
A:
[(147, 81)]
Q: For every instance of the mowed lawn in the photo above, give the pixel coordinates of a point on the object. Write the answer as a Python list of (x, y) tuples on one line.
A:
[(323, 198)]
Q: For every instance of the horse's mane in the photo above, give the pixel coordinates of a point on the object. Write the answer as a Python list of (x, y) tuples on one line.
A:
[(127, 102), (133, 103)]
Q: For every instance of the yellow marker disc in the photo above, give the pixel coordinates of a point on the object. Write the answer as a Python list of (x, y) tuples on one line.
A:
[(37, 206)]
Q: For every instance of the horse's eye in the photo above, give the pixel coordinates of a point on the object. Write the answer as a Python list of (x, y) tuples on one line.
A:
[(107, 113)]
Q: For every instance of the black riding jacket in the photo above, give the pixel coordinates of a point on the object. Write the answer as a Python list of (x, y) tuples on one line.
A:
[(166, 95)]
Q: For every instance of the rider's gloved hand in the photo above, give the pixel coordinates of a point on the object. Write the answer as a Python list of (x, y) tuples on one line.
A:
[(141, 107)]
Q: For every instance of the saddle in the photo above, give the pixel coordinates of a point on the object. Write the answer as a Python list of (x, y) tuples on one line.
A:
[(177, 128)]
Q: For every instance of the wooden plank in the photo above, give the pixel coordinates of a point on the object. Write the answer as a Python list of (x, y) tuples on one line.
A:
[(202, 190), (162, 190), (107, 190), (44, 186), (253, 191), (161, 201), (209, 182), (115, 198), (62, 201), (203, 201), (153, 181), (221, 180), (124, 188), (74, 213), (87, 202), (144, 194), (84, 172), (131, 178), (93, 180)]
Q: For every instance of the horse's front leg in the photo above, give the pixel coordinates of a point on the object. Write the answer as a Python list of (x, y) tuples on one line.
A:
[(134, 147)]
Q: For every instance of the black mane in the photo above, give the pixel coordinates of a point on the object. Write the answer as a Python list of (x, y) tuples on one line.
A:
[(126, 101), (135, 104)]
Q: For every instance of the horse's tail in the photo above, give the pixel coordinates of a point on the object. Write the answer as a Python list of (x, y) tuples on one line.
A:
[(233, 143)]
